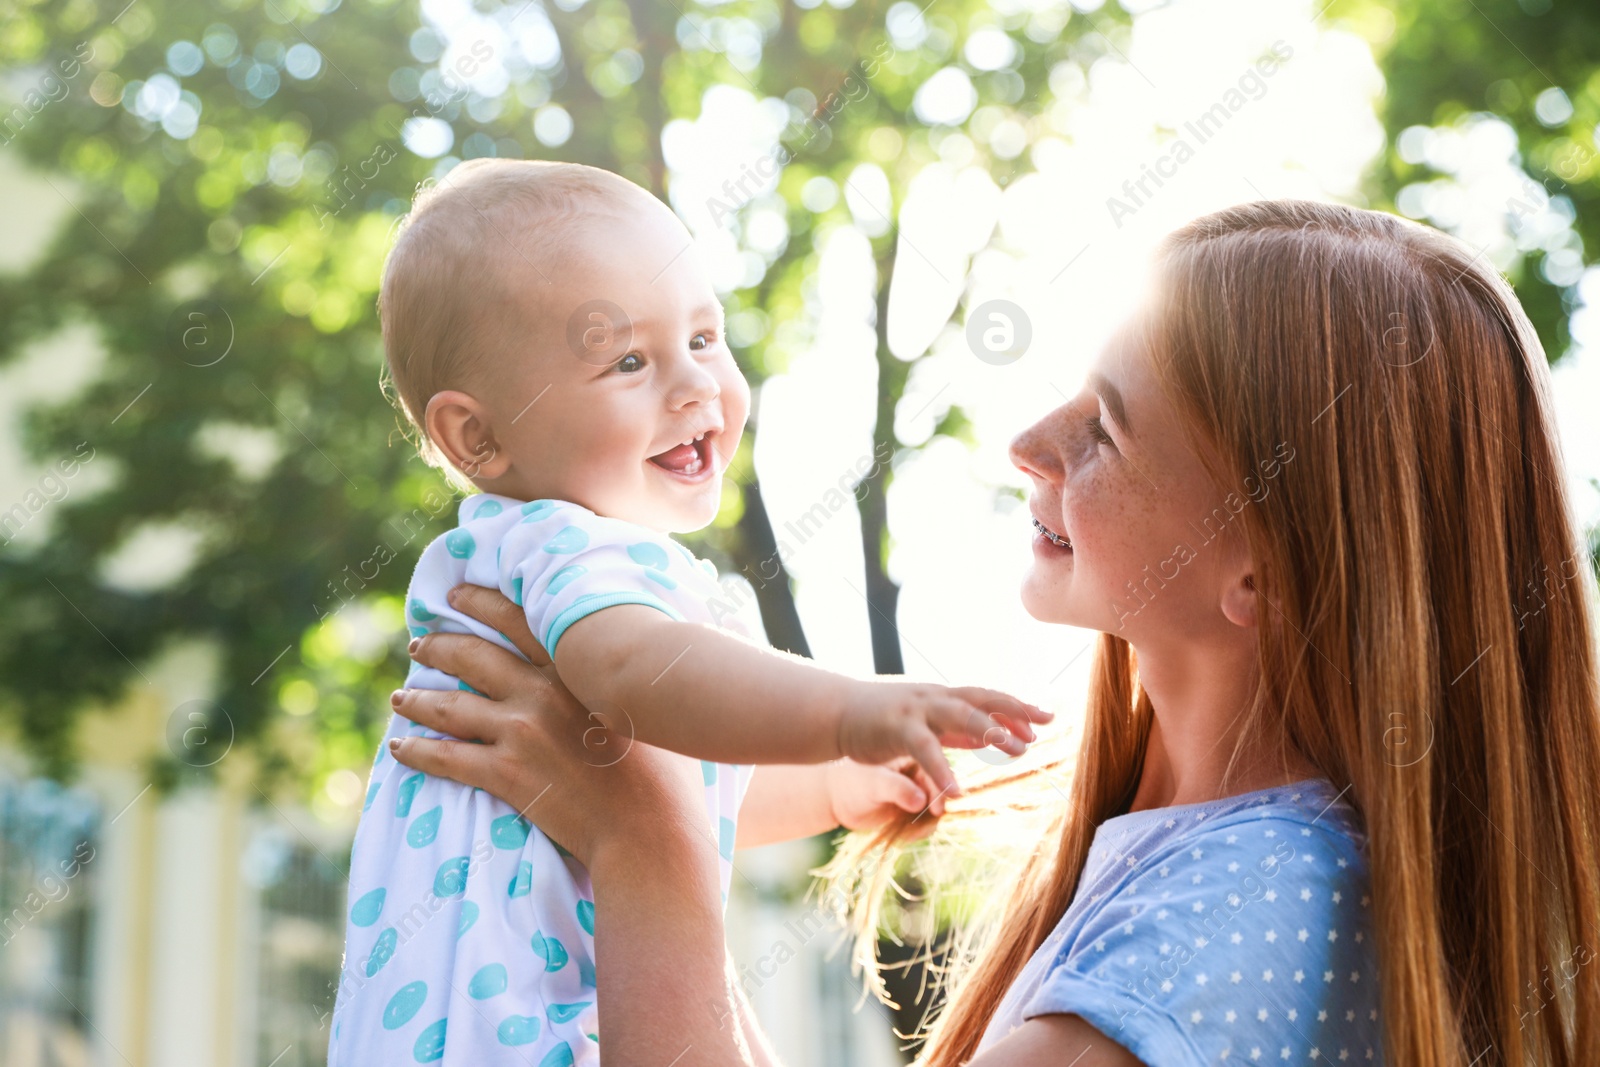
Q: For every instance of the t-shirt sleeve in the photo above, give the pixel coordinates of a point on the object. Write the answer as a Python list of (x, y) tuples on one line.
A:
[(1243, 938), (562, 563)]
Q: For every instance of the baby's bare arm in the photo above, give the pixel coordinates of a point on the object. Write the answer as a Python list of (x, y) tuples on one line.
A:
[(702, 691)]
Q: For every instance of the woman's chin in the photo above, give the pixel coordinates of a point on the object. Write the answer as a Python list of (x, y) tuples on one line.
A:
[(1047, 604)]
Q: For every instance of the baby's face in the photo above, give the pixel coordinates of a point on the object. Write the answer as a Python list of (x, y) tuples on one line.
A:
[(634, 365)]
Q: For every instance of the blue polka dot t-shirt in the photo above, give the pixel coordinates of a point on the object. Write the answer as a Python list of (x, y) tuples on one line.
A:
[(1231, 931)]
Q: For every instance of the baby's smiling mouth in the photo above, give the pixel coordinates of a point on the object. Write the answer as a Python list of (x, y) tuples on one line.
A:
[(689, 459)]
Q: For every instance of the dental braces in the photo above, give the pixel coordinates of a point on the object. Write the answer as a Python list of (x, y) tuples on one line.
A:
[(1053, 538)]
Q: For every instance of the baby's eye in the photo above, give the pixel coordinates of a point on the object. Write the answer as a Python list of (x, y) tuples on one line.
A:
[(631, 363), (704, 340)]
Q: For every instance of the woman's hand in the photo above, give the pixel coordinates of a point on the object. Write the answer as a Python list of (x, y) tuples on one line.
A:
[(634, 815), (576, 774)]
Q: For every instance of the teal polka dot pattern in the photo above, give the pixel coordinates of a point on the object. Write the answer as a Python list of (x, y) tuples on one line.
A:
[(365, 912), (560, 1056), (508, 831), (424, 828), (725, 836), (382, 951), (571, 539), (490, 981), (553, 952), (404, 1005), (407, 794), (648, 554), (460, 544), (452, 878), (430, 1043), (508, 973), (565, 1013), (565, 577), (518, 1030), (465, 688)]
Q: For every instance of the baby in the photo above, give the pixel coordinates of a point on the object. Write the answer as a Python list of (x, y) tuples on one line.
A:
[(557, 344)]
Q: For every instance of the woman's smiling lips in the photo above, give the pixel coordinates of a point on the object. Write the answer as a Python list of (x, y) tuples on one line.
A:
[(1046, 542)]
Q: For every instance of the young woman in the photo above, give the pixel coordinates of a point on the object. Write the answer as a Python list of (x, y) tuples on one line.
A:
[(1335, 797)]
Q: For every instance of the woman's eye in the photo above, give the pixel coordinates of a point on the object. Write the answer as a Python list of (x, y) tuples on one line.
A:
[(1097, 432), (631, 363)]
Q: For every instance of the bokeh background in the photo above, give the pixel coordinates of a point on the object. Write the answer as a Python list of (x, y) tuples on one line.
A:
[(923, 219)]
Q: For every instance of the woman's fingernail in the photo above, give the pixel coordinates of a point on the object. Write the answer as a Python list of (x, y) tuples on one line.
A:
[(412, 647), (396, 697)]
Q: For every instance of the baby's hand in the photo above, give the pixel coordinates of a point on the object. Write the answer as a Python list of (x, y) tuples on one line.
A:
[(883, 720), (863, 796)]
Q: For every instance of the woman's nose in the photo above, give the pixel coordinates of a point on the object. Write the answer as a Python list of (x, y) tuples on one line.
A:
[(1032, 451)]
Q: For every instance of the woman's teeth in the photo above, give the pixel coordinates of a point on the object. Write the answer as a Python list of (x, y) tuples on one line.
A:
[(1050, 535)]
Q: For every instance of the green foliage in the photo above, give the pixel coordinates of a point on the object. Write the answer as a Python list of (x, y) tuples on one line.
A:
[(1447, 60), (225, 241)]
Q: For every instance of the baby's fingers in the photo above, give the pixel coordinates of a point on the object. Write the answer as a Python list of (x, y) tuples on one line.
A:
[(961, 725), (925, 750), (901, 790), (1004, 705)]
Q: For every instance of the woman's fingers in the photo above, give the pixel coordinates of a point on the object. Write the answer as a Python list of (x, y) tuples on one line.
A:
[(492, 608), (461, 760), (450, 711), (484, 665)]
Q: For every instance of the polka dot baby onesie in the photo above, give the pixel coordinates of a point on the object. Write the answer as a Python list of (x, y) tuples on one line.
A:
[(470, 935)]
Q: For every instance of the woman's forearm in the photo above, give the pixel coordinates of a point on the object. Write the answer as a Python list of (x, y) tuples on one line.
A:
[(663, 987)]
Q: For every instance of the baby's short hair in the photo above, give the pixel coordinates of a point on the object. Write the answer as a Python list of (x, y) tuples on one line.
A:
[(473, 254)]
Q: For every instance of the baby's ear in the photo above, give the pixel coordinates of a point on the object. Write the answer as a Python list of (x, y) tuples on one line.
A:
[(460, 430)]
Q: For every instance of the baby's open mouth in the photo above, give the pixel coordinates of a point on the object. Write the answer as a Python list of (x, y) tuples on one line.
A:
[(1050, 535), (688, 459)]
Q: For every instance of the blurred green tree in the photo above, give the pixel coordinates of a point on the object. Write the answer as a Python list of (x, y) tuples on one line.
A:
[(234, 176)]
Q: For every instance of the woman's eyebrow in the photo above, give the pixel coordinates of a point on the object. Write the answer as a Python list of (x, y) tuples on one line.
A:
[(1113, 399)]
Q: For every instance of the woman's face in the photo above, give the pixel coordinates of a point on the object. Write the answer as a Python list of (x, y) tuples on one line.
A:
[(1113, 475)]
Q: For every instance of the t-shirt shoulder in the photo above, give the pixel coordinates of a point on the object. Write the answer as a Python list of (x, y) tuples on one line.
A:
[(561, 562), (1247, 924)]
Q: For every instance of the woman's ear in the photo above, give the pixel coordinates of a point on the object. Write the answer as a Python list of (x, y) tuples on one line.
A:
[(459, 427), (1240, 600)]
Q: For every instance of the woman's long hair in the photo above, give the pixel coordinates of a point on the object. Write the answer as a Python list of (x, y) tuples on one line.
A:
[(1427, 639)]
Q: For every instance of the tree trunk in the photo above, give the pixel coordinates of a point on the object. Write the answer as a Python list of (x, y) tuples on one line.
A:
[(872, 499)]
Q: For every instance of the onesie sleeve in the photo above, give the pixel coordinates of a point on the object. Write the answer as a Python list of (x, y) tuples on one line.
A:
[(1243, 941), (561, 563)]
